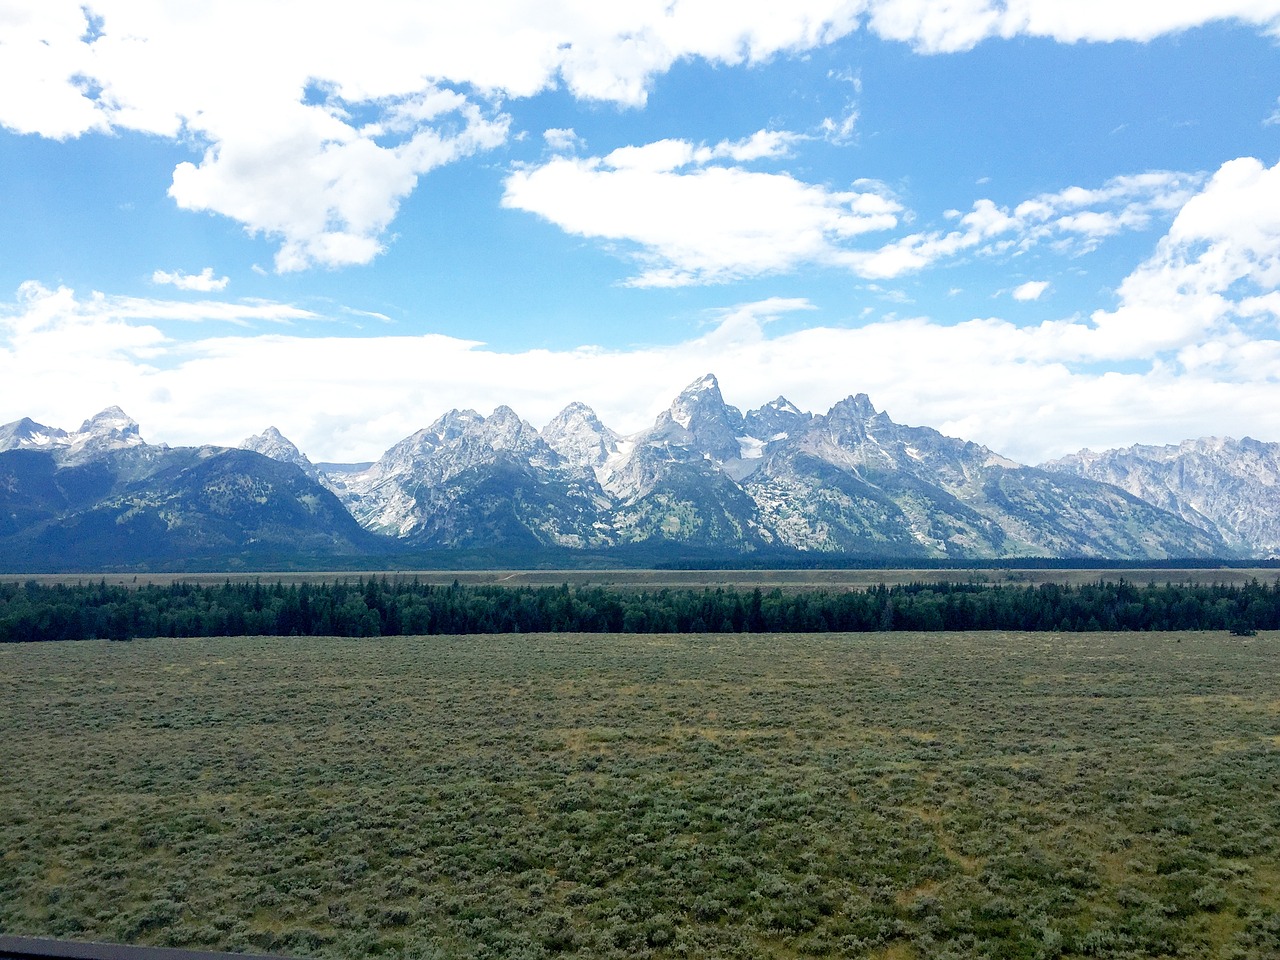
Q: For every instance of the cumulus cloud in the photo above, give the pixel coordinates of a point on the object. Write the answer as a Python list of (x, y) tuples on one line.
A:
[(689, 218), (933, 27), (331, 114), (697, 213), (204, 281), (326, 189), (1212, 278), (1077, 220)]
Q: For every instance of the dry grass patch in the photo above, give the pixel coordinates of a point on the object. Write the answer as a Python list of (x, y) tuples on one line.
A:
[(872, 795)]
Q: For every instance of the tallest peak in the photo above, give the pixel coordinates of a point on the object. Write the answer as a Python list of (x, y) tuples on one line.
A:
[(110, 422), (109, 414), (703, 394), (701, 411), (707, 382)]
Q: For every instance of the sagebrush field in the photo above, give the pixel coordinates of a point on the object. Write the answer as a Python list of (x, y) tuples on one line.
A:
[(874, 795)]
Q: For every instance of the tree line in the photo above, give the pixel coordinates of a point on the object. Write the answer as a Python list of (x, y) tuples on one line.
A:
[(378, 607)]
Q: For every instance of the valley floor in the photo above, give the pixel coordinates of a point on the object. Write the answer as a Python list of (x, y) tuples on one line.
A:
[(694, 579), (872, 795)]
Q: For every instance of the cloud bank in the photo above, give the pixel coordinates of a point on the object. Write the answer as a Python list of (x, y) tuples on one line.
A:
[(1191, 348)]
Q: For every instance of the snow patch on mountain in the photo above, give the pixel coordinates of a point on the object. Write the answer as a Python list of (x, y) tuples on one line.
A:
[(26, 433)]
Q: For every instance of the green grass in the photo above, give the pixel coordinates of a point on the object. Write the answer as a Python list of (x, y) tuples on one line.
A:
[(876, 795)]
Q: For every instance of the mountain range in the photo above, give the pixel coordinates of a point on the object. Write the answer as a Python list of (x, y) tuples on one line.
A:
[(705, 480)]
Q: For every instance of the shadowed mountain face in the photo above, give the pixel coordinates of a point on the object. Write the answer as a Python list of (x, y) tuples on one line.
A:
[(705, 477), (150, 507)]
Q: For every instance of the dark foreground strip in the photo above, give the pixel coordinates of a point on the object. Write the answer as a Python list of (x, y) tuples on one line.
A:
[(41, 948)]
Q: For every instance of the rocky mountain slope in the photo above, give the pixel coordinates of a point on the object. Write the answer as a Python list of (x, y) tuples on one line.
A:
[(705, 479), (706, 475), (474, 481), (1225, 486)]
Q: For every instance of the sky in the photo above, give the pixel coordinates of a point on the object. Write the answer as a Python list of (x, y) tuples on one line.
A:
[(1041, 226)]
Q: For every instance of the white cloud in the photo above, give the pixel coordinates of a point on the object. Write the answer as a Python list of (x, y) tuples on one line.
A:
[(933, 27), (1274, 117), (204, 281), (1031, 290), (326, 189), (1213, 274), (761, 145), (42, 63), (38, 309), (690, 217), (563, 140), (330, 114), (691, 220), (913, 253), (839, 130), (1201, 317), (314, 120), (1078, 219)]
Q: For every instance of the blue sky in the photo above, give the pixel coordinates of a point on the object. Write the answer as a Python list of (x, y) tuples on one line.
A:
[(1037, 225)]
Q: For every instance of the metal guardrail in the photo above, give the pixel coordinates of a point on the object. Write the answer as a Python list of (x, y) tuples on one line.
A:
[(44, 948)]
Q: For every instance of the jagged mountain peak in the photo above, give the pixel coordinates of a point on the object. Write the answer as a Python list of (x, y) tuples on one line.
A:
[(575, 409), (504, 430), (452, 425), (270, 437), (704, 383), (776, 420), (1217, 483), (699, 400), (26, 427), (108, 430), (699, 421), (858, 406), (27, 433), (783, 405), (274, 444), (578, 436), (110, 421), (504, 418)]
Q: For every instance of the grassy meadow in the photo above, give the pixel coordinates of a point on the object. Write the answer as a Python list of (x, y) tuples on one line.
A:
[(901, 795), (648, 579)]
